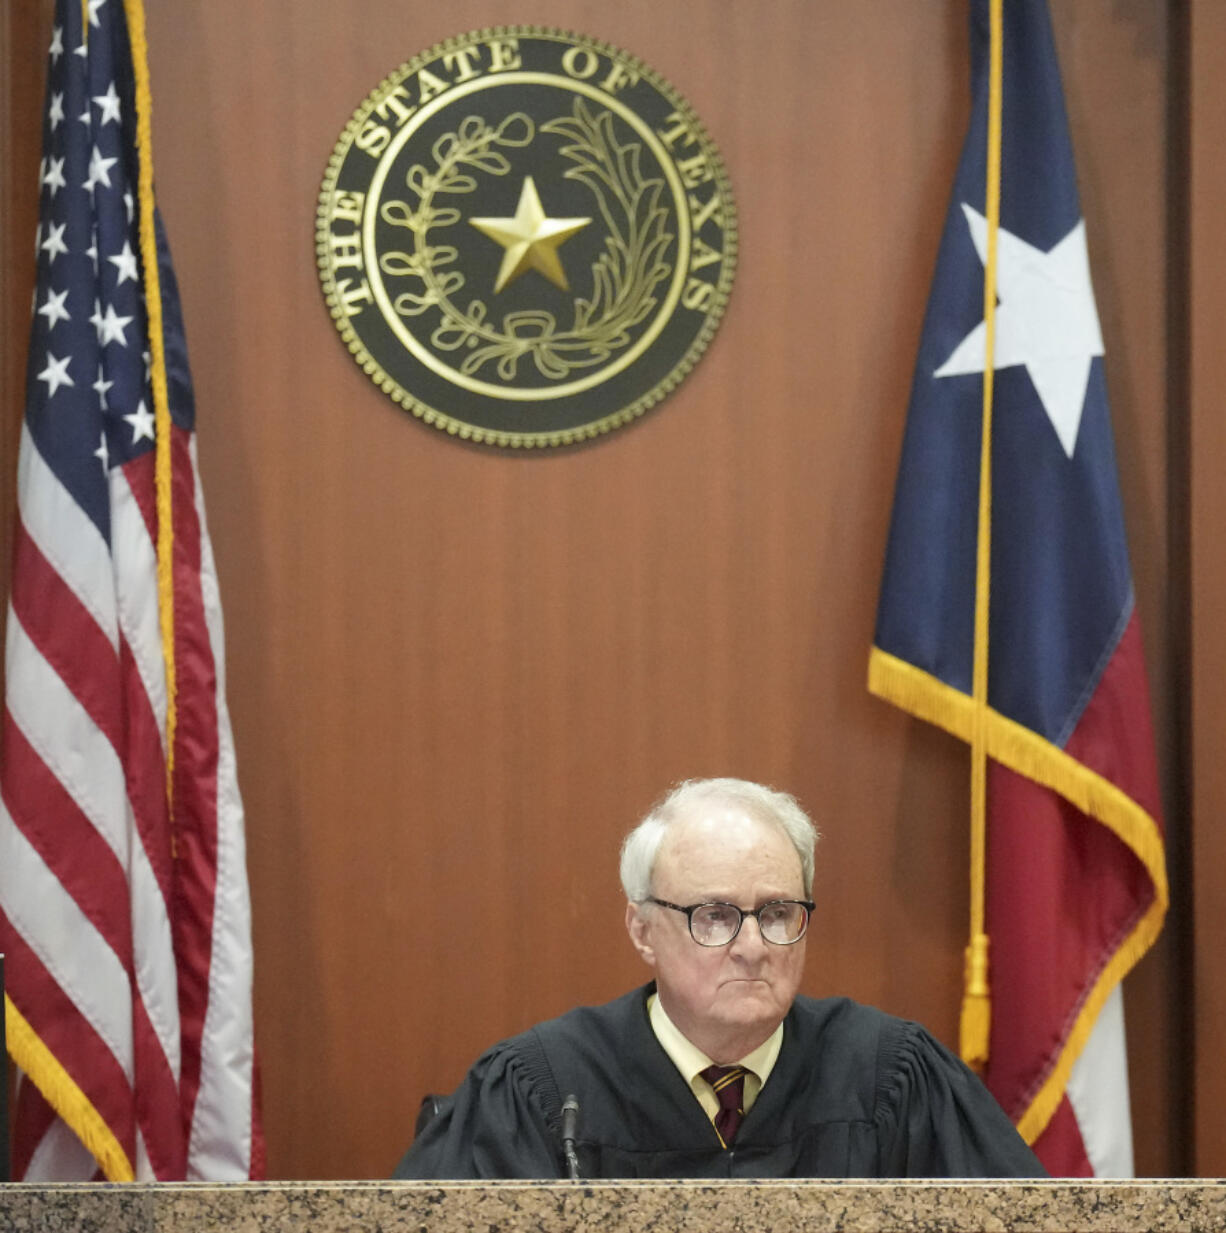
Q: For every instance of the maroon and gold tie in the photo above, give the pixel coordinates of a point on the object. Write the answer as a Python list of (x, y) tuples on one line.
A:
[(728, 1083)]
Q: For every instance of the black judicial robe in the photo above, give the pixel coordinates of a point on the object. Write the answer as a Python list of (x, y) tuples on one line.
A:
[(854, 1093)]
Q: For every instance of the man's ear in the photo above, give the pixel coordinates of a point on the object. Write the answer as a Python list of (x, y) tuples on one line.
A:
[(638, 926)]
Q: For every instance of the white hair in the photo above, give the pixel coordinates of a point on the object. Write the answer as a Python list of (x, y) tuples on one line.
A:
[(642, 845)]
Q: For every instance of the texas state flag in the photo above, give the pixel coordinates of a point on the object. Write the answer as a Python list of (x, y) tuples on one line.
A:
[(1075, 871)]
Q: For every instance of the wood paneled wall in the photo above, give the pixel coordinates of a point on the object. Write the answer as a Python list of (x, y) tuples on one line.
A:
[(456, 677)]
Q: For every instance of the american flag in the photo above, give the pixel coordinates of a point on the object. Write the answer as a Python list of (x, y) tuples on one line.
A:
[(1075, 868), (123, 890)]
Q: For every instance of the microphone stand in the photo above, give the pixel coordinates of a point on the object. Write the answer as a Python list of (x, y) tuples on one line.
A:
[(570, 1118)]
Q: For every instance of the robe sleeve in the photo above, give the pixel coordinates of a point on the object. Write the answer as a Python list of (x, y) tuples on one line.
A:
[(934, 1117), (501, 1122)]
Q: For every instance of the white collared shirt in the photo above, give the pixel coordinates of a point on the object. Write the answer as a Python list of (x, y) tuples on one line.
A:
[(691, 1061)]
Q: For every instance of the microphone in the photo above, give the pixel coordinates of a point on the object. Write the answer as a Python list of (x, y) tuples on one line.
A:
[(570, 1119)]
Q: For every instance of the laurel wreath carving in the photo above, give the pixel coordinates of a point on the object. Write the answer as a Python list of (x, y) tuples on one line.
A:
[(624, 277)]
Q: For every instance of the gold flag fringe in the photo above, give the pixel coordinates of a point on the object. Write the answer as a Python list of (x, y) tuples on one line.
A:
[(62, 1093), (1025, 752)]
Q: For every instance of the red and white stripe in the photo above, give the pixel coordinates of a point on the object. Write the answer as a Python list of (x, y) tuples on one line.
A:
[(1098, 1094), (131, 950)]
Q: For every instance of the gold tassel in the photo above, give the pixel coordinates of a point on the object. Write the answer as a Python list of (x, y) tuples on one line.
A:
[(976, 1023)]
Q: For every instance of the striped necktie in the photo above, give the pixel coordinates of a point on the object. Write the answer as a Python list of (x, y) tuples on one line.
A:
[(728, 1083)]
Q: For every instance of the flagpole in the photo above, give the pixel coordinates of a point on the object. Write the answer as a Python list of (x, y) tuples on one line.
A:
[(976, 1003)]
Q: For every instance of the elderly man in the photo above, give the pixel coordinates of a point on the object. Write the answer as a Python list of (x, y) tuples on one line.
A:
[(718, 1068)]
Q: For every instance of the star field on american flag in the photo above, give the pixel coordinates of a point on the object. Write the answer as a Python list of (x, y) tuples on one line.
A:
[(89, 399)]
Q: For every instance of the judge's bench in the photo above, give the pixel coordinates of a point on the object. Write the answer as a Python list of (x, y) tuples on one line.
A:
[(613, 1207)]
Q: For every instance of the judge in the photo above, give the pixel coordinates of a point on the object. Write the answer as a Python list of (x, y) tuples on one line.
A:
[(717, 1068)]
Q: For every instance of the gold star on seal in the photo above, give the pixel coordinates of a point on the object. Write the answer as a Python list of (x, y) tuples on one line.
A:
[(531, 239)]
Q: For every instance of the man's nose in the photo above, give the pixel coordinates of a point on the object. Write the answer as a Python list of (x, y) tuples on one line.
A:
[(749, 941)]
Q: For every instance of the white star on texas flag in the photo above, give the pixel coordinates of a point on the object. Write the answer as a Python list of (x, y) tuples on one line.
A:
[(1046, 320)]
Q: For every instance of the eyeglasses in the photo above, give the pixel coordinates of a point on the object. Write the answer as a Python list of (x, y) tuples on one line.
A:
[(781, 921)]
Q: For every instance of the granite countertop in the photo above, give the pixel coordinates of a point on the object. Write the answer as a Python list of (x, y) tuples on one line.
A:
[(611, 1207)]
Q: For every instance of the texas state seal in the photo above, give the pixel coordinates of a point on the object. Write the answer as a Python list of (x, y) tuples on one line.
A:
[(525, 237)]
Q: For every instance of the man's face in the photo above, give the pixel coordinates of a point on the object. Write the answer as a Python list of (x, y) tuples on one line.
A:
[(724, 999)]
